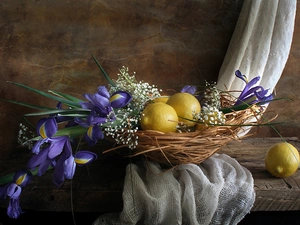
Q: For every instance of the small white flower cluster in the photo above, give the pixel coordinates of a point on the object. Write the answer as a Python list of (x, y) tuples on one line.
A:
[(211, 115), (141, 92), (24, 136), (123, 129), (211, 96), (126, 125), (210, 104)]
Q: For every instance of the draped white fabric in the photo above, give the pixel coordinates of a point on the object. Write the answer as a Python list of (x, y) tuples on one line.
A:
[(218, 191), (260, 44)]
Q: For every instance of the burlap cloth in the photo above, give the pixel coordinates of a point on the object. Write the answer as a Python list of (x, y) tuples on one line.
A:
[(218, 191)]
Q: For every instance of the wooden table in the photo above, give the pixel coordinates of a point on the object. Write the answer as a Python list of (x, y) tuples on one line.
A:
[(98, 188), (272, 194)]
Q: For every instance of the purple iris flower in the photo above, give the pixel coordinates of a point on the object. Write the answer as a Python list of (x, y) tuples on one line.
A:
[(94, 133), (46, 128), (189, 89), (80, 158), (66, 165), (100, 98), (252, 94), (13, 191), (101, 105), (120, 99), (58, 148), (41, 159)]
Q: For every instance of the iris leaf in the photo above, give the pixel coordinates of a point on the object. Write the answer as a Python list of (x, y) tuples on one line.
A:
[(71, 131), (64, 112), (246, 105), (66, 96), (28, 105), (104, 73), (62, 100)]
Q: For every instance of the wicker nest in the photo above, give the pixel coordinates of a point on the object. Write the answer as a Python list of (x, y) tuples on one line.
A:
[(194, 147)]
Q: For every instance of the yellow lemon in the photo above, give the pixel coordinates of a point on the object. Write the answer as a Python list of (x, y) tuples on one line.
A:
[(185, 105), (282, 159), (159, 116), (163, 99)]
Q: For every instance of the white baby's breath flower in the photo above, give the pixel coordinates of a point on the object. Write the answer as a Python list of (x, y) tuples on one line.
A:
[(142, 92), (24, 136)]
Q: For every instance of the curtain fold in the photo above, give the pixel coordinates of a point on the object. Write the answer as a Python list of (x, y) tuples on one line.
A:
[(260, 44)]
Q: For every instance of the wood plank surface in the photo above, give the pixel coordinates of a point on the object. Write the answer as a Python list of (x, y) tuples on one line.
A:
[(272, 194), (98, 187)]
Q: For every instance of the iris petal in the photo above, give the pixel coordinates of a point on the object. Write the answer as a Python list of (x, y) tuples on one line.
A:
[(13, 190), (93, 134), (56, 146), (100, 100), (241, 76), (252, 94), (120, 99), (37, 159), (58, 174), (47, 127), (102, 90), (86, 105), (44, 166), (37, 145), (84, 157), (189, 89), (22, 177), (14, 210), (249, 85), (69, 167)]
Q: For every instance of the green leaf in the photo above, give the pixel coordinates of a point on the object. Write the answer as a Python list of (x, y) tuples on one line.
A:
[(66, 96), (28, 105), (104, 73), (246, 105), (6, 178), (65, 112), (71, 131), (62, 100), (235, 108)]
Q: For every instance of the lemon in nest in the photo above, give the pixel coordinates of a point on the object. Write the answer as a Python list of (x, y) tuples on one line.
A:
[(159, 116), (186, 106), (163, 99), (282, 160)]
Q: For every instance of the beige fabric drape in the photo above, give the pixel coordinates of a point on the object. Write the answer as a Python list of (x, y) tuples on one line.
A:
[(260, 44)]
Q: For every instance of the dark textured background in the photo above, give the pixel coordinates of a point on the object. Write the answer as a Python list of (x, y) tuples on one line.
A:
[(48, 44)]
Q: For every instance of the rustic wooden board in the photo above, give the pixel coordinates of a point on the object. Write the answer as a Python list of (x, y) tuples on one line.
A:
[(98, 188), (272, 194)]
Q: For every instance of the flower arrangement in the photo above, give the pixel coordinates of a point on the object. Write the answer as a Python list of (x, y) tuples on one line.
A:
[(114, 113)]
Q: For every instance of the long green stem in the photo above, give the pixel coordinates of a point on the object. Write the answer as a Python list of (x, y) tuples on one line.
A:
[(104, 72)]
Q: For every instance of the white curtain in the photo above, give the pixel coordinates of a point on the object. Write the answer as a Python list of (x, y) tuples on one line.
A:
[(260, 44)]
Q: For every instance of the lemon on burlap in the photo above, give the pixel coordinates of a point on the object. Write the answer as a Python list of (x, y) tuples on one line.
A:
[(282, 160), (159, 116), (186, 106)]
